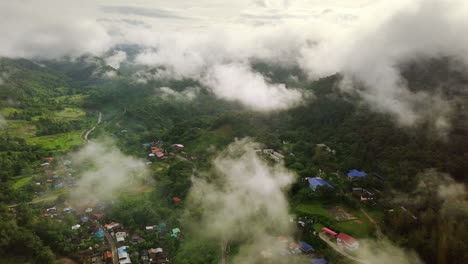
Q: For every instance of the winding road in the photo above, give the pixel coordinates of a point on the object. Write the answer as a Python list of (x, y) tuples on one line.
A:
[(89, 131), (339, 250), (113, 247), (224, 246)]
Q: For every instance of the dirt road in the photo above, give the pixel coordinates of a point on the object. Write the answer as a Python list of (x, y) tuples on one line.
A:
[(339, 250), (110, 240), (89, 131), (378, 231), (224, 246), (39, 200)]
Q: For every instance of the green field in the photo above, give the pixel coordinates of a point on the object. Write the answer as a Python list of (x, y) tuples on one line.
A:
[(21, 128), (8, 110), (313, 208), (70, 113), (76, 99), (22, 182), (353, 228), (59, 142)]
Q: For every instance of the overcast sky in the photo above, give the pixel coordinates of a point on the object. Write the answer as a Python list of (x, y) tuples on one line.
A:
[(214, 40)]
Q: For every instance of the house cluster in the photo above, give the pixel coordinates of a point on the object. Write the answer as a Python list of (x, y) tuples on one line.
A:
[(316, 182), (363, 194), (55, 175), (154, 256), (270, 153), (343, 240), (289, 248), (326, 148), (157, 151)]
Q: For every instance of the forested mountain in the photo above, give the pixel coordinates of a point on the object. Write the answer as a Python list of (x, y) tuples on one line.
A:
[(35, 98)]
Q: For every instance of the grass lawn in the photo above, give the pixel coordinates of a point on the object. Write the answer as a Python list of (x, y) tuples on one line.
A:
[(21, 128), (70, 113), (376, 215), (352, 228), (59, 142), (76, 99), (22, 182), (364, 229), (313, 208), (8, 110)]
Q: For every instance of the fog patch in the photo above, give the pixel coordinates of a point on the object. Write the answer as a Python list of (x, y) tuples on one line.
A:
[(116, 59), (3, 122), (243, 200), (187, 94), (104, 172), (64, 30), (434, 186), (384, 252), (370, 55), (237, 82)]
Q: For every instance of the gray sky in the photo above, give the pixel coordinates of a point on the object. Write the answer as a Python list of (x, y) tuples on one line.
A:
[(213, 41)]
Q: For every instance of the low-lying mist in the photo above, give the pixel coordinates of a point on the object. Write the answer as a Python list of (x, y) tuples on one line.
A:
[(104, 172), (242, 200)]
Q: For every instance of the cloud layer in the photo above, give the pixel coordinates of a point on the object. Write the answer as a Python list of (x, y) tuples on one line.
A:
[(104, 172), (243, 199), (365, 41)]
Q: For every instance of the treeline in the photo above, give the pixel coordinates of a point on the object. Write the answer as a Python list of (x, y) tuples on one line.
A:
[(50, 126)]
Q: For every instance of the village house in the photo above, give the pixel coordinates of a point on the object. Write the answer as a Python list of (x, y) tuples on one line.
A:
[(273, 155), (306, 248), (363, 194), (347, 242), (120, 236), (124, 257), (157, 256), (326, 148), (328, 232), (355, 174), (112, 226), (318, 261), (316, 182), (178, 147)]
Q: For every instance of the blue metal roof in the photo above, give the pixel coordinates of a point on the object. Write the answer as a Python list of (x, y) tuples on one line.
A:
[(314, 182), (318, 261), (306, 247), (356, 173), (379, 176)]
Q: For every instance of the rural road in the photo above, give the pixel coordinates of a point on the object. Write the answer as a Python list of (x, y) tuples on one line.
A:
[(53, 197), (378, 231), (224, 246), (110, 240), (342, 252), (89, 131), (38, 200)]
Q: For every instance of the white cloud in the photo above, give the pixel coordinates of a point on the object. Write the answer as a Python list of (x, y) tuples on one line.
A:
[(243, 199), (189, 93), (364, 40), (116, 59), (49, 29), (372, 52), (237, 82), (104, 172)]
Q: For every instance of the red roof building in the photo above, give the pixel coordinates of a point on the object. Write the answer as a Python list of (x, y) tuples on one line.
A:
[(107, 255), (176, 199), (330, 232), (159, 154), (347, 241), (154, 150), (178, 146)]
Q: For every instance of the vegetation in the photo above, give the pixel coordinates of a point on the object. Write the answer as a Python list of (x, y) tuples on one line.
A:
[(55, 104)]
